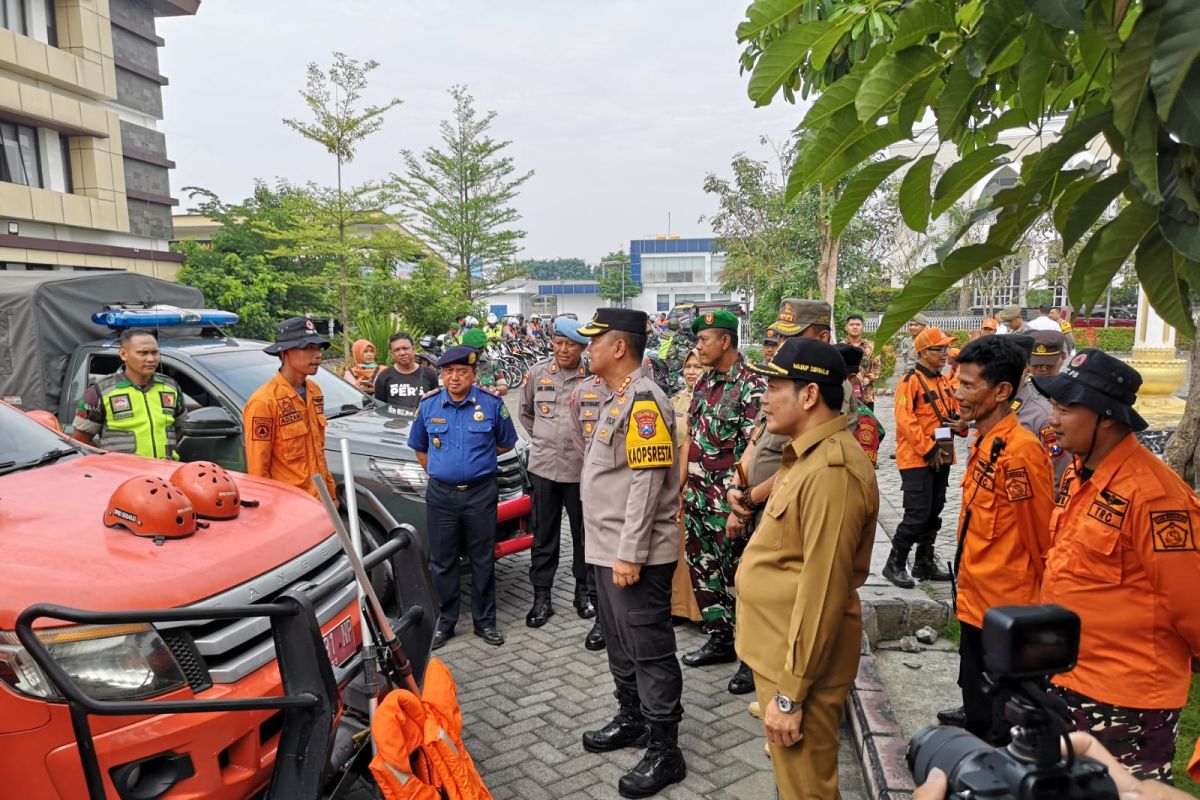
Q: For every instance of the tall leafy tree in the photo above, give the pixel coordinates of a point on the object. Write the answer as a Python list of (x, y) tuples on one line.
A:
[(1126, 71), (340, 122), (460, 196), (555, 269)]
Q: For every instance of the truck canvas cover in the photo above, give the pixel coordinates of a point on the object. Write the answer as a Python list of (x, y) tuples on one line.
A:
[(45, 316)]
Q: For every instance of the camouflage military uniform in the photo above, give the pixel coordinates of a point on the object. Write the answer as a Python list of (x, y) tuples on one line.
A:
[(487, 374), (720, 422), (1143, 739)]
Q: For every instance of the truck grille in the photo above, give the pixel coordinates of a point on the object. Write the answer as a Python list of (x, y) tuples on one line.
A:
[(510, 475), (232, 649)]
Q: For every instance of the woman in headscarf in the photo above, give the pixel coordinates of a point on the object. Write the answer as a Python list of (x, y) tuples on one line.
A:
[(683, 598), (364, 370)]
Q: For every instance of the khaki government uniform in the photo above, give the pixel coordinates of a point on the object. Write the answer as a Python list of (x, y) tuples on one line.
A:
[(683, 596), (799, 617)]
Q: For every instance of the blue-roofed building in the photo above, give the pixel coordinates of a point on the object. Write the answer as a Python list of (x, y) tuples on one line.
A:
[(673, 270)]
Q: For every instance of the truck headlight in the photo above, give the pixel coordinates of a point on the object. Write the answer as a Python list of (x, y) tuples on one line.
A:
[(106, 662), (406, 477)]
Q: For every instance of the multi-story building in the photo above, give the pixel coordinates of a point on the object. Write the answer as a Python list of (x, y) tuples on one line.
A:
[(83, 169), (672, 271)]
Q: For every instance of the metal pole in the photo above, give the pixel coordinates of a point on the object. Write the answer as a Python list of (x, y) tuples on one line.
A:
[(1108, 306), (356, 539)]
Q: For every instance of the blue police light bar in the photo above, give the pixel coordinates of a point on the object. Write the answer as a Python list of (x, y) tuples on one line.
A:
[(163, 317)]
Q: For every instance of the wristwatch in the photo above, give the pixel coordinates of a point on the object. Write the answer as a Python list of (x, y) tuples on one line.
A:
[(786, 705)]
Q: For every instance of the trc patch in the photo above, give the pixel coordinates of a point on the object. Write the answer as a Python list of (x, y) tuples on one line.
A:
[(260, 429), (1172, 531), (1109, 508), (1016, 485)]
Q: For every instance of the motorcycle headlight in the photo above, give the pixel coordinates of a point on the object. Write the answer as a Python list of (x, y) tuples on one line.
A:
[(106, 662), (406, 477)]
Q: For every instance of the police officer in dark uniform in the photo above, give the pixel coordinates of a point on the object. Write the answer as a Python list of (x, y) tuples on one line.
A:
[(459, 430)]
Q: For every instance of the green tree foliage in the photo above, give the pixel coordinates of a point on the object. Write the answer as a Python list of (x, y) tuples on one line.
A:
[(615, 282), (774, 245), (555, 269), (340, 123), (460, 197), (1125, 71), (236, 270)]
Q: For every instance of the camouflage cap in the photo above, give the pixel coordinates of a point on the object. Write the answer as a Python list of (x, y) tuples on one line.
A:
[(796, 314)]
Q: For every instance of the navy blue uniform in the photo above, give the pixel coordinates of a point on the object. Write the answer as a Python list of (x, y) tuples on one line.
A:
[(461, 441)]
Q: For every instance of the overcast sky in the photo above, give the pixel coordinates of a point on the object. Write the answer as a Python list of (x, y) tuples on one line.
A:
[(620, 107)]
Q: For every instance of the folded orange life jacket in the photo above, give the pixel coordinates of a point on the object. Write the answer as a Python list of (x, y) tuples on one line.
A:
[(419, 748)]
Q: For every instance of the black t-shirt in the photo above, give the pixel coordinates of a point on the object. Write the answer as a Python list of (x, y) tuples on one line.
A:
[(404, 390)]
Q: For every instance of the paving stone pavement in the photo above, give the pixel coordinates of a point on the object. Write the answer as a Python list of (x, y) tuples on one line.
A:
[(891, 501), (527, 703)]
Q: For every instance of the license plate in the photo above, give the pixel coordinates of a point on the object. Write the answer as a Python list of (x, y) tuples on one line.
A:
[(339, 642)]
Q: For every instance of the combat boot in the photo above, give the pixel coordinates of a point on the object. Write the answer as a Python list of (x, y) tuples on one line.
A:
[(542, 611), (583, 603), (717, 650), (661, 766), (627, 728), (896, 569), (925, 567)]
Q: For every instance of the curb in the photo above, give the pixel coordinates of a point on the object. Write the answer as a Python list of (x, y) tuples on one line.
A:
[(879, 742)]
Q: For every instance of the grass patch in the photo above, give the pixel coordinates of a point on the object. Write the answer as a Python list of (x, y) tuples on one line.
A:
[(1189, 731), (951, 631)]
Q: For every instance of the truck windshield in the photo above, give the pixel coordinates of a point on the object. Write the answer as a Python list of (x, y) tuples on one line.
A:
[(246, 370), (24, 442)]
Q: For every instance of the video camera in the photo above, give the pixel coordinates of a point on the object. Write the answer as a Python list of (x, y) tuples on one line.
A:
[(1023, 646)]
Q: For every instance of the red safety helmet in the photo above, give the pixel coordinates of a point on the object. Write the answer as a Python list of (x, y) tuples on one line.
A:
[(149, 506), (211, 489)]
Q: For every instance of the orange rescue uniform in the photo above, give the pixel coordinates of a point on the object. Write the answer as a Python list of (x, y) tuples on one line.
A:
[(924, 403), (1006, 509), (285, 436), (1123, 557)]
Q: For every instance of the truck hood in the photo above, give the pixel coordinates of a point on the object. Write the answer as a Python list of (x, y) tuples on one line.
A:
[(57, 549), (372, 432)]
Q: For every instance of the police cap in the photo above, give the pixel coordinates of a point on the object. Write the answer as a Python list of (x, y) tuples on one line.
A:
[(1047, 347), (459, 354), (616, 319), (796, 314)]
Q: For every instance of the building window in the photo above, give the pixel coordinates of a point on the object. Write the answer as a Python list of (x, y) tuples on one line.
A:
[(545, 304), (12, 16), (51, 24), (64, 142), (998, 287), (718, 266), (689, 297), (672, 269), (20, 161), (719, 297), (663, 302)]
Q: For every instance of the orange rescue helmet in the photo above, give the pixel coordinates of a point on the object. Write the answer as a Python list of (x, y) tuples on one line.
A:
[(212, 491), (46, 418), (149, 506)]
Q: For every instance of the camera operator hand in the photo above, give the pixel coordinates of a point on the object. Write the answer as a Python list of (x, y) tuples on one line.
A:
[(1128, 787)]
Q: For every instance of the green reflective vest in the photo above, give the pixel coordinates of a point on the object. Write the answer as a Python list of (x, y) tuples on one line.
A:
[(137, 421)]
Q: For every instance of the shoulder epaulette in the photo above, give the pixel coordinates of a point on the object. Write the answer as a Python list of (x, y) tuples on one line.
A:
[(489, 390), (430, 393)]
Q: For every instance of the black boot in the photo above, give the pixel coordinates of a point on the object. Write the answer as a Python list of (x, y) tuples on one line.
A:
[(584, 606), (595, 639), (542, 611), (896, 569), (661, 766), (956, 717), (717, 650), (742, 681), (627, 728), (925, 567)]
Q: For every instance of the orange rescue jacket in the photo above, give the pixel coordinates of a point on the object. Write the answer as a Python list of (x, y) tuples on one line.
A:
[(1004, 525), (419, 747), (285, 436), (924, 403), (1123, 557)]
